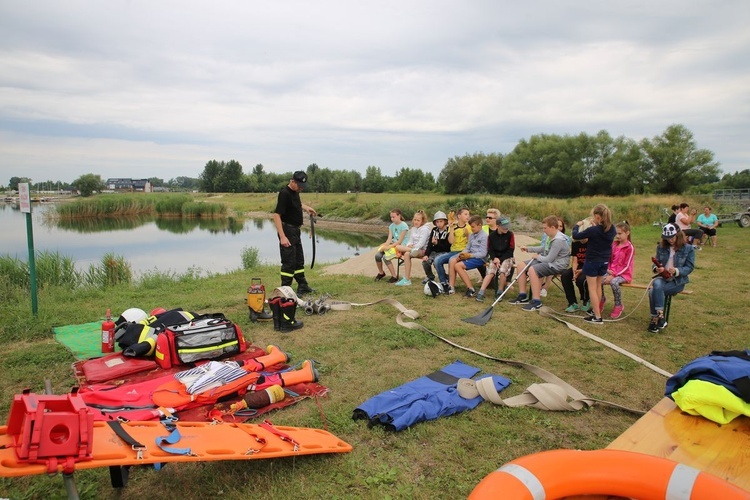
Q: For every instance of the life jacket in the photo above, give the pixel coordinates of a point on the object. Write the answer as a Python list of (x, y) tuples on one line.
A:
[(136, 401), (730, 369), (426, 398), (712, 401), (174, 393)]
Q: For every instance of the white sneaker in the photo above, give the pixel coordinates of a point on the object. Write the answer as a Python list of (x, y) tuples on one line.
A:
[(543, 293)]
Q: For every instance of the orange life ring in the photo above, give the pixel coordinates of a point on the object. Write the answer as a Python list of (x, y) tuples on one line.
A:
[(562, 473)]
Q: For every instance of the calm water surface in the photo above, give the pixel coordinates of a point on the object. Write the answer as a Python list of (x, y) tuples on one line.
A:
[(167, 244)]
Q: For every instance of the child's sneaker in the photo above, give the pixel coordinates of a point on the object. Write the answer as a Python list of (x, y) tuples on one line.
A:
[(521, 299), (661, 323), (392, 279), (594, 320), (470, 293), (543, 293), (451, 290), (533, 305), (653, 325), (480, 297), (403, 282), (586, 307), (572, 308), (616, 312), (379, 276), (424, 281)]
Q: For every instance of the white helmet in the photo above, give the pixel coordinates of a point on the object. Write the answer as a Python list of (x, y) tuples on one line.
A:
[(433, 288), (132, 315)]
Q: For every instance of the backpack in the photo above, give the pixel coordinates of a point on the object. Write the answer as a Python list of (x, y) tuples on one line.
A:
[(207, 336), (137, 339)]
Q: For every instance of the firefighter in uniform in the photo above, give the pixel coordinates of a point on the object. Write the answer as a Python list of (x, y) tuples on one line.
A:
[(288, 219)]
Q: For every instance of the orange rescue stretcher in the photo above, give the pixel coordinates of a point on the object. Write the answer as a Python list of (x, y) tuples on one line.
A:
[(57, 433)]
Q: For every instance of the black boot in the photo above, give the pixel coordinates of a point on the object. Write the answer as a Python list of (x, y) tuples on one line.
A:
[(275, 305), (287, 311), (304, 289)]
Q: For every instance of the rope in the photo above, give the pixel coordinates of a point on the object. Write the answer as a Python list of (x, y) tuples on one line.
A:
[(405, 319), (548, 312)]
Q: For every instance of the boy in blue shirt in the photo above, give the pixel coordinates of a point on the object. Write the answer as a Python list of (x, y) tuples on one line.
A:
[(469, 258)]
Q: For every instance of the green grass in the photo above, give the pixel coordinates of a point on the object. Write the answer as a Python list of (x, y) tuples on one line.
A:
[(364, 352)]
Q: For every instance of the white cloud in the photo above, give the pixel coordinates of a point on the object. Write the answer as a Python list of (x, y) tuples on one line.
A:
[(159, 88)]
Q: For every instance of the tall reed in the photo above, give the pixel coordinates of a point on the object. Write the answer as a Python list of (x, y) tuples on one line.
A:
[(129, 205)]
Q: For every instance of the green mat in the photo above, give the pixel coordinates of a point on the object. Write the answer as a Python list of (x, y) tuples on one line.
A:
[(84, 341)]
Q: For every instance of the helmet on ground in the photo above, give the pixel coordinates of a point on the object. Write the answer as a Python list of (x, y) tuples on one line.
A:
[(157, 311), (432, 288), (132, 315)]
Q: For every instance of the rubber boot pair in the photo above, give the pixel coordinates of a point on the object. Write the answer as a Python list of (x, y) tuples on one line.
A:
[(284, 310)]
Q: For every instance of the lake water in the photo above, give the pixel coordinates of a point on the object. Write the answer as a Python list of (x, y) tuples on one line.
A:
[(167, 244)]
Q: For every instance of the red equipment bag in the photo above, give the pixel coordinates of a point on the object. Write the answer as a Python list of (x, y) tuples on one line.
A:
[(208, 336)]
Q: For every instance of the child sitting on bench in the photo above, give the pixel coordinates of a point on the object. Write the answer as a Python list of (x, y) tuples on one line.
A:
[(674, 261)]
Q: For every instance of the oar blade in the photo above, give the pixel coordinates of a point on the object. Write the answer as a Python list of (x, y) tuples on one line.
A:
[(480, 319)]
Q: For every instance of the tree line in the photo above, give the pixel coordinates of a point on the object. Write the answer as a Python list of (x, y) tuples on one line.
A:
[(543, 165)]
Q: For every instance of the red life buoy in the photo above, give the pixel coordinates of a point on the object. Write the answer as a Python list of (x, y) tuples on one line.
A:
[(562, 473)]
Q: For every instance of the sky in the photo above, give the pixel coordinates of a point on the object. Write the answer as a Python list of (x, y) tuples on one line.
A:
[(143, 88)]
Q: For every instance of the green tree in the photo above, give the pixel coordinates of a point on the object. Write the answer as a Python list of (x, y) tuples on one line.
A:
[(621, 173), (737, 180), (184, 183), (411, 180), (88, 183), (532, 167), (156, 182), (455, 174), (209, 176), (14, 181), (674, 161), (230, 178), (319, 179), (485, 174), (374, 182)]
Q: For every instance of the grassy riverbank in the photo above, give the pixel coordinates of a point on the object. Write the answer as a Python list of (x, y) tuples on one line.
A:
[(364, 352)]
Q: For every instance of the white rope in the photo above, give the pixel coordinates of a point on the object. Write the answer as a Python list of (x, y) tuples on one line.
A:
[(579, 400), (550, 313)]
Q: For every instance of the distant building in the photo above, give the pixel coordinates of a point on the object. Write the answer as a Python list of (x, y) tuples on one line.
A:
[(129, 185)]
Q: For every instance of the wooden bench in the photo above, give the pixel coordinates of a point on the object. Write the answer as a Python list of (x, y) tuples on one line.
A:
[(667, 299), (665, 431)]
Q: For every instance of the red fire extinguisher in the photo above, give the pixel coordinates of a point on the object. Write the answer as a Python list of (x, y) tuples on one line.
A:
[(108, 334)]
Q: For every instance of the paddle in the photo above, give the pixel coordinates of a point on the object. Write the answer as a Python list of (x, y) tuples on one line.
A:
[(483, 318)]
